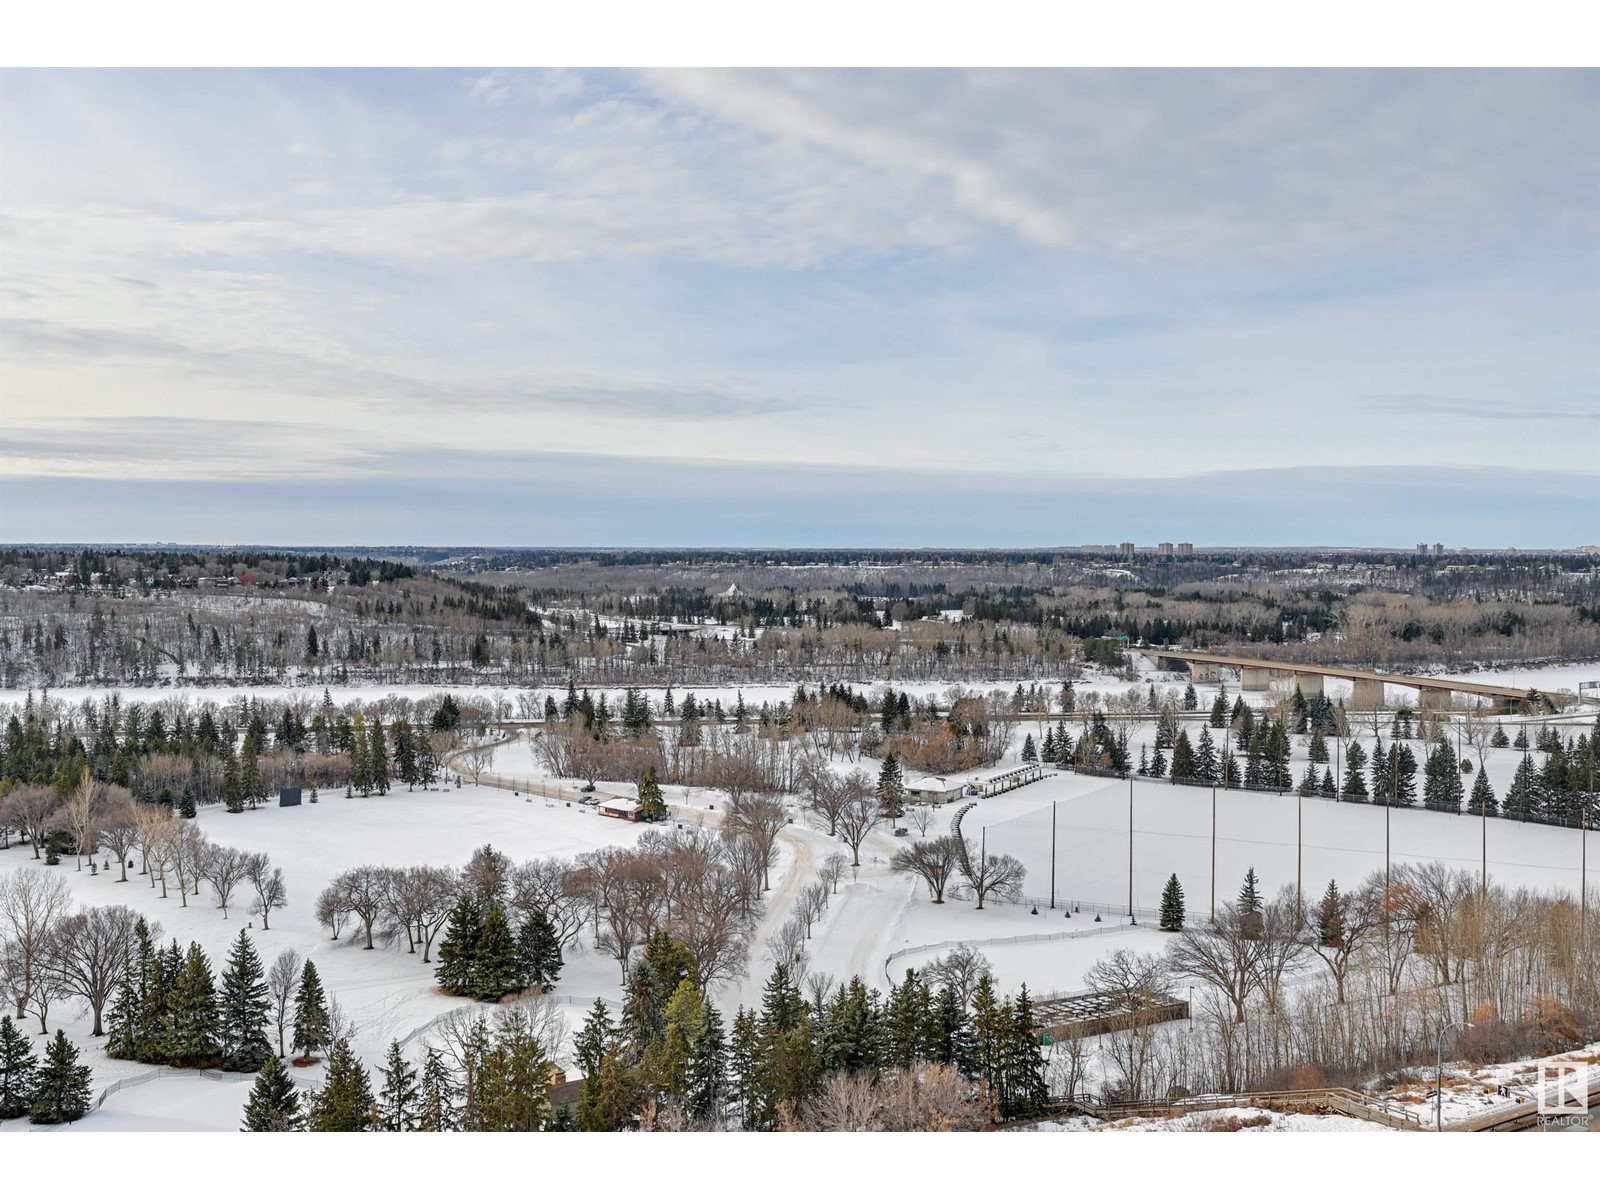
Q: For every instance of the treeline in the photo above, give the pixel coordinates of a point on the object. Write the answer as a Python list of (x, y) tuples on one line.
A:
[(924, 1057), (1377, 973)]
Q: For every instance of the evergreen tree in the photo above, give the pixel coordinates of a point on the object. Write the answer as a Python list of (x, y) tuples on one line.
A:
[(436, 1102), (1522, 797), (1483, 798), (1205, 757), (891, 788), (1030, 753), (706, 1072), (345, 1103), (1191, 701), (1404, 782), (242, 1010), (19, 1070), (651, 805), (1249, 903), (1026, 1092), (1183, 760), (496, 969), (1308, 782), (1219, 710), (1330, 916), (1172, 911), (378, 758), (1355, 761), (312, 1025), (1319, 747), (1521, 742), (190, 1034), (511, 1080), (538, 952), (1441, 789), (186, 808), (1158, 763), (274, 1104), (400, 1098), (61, 1089), (667, 1064), (1499, 740), (458, 948)]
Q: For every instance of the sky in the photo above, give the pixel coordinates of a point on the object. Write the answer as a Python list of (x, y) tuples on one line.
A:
[(831, 308)]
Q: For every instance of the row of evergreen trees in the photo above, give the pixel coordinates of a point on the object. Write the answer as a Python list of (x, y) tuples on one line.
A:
[(669, 1046), (501, 1085), (171, 1010), (48, 1093), (482, 956)]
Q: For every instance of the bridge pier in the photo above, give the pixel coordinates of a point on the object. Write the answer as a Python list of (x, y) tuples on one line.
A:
[(1254, 679), (1204, 672), (1309, 685), (1433, 699), (1366, 695)]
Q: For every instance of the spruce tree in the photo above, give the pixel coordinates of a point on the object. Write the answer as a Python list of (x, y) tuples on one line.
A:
[(1030, 752), (1027, 1093), (274, 1104), (1219, 710), (1483, 798), (186, 808), (1183, 760), (243, 1009), (496, 970), (436, 1101), (1355, 761), (707, 1068), (891, 788), (378, 758), (1172, 911), (192, 1026), (61, 1089), (400, 1099), (458, 948), (19, 1070), (312, 1026), (652, 807), (538, 952), (345, 1103)]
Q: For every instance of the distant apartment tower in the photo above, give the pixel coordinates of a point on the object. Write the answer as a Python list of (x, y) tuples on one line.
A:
[(1164, 548), (1185, 548), (1438, 549), (1422, 548), (1127, 550)]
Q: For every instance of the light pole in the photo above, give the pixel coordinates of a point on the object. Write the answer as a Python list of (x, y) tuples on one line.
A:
[(1438, 1073)]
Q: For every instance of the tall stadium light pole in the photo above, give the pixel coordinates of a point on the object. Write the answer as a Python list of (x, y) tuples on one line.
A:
[(1394, 794), (1299, 852), (1213, 854), (1131, 917), (1053, 808)]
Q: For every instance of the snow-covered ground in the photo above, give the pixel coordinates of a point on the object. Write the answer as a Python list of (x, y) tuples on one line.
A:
[(877, 926), (1222, 1120)]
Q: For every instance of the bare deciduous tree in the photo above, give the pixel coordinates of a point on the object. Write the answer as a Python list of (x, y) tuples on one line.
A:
[(266, 881), (997, 875), (857, 820), (933, 861), (92, 952), (225, 868), (283, 979), (31, 904), (33, 812), (960, 970), (761, 819)]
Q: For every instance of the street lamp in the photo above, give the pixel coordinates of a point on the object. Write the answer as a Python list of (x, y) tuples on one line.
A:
[(1438, 1073)]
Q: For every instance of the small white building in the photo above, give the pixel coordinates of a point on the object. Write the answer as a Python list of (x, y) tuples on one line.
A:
[(622, 809), (934, 789)]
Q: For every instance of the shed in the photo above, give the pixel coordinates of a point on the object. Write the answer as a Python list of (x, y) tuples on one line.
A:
[(625, 810)]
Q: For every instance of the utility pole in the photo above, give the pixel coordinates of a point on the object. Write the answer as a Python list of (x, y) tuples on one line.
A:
[(1299, 852)]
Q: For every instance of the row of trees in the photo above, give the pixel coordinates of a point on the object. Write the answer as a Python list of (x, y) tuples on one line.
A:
[(1377, 971)]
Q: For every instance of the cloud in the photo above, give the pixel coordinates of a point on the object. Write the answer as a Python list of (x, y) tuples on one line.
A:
[(1421, 404), (290, 372)]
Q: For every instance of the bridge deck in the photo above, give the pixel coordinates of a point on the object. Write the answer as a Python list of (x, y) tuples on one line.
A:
[(1495, 690)]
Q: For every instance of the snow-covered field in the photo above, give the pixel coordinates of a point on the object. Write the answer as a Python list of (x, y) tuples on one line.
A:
[(878, 925)]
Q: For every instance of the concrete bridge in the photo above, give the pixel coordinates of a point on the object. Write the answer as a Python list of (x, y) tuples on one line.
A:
[(1256, 674)]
